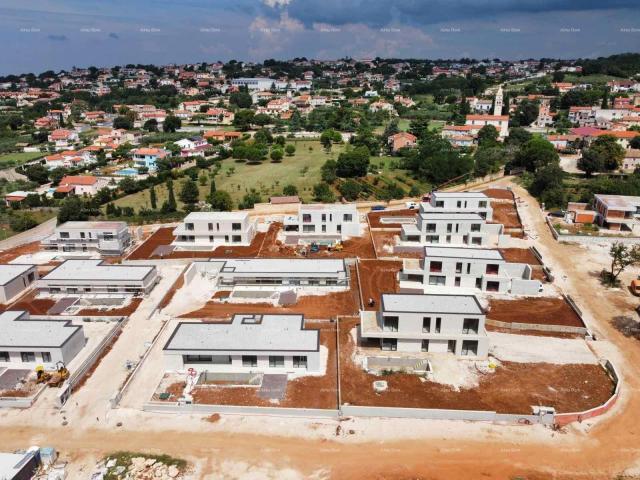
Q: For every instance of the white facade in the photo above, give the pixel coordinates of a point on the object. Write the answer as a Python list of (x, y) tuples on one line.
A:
[(332, 221), (458, 202), (105, 238), (16, 279), (26, 342), (462, 229), (453, 324), (470, 268), (209, 230), (93, 276), (501, 122), (250, 343)]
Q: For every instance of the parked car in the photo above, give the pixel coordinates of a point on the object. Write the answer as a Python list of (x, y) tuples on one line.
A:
[(378, 208), (412, 205)]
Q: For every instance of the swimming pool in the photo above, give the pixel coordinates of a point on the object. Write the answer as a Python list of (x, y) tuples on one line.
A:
[(127, 172)]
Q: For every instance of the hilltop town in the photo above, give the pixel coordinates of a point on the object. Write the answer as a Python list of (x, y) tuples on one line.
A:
[(210, 270)]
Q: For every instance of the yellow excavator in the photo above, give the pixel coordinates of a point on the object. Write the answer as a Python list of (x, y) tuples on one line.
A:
[(53, 378)]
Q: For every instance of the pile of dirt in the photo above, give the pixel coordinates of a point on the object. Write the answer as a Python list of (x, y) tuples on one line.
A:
[(534, 310), (499, 193), (519, 255), (378, 277)]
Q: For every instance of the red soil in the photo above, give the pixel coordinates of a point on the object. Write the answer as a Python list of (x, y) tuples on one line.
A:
[(541, 311)]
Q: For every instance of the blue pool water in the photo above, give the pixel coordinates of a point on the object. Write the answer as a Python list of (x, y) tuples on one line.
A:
[(127, 172)]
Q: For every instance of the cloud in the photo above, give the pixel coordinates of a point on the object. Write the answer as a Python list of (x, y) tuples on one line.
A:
[(276, 3), (57, 38), (113, 35)]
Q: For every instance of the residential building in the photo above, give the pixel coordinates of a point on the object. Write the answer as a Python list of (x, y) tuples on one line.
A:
[(458, 202), (210, 230), (103, 237), (402, 140), (250, 343), (258, 83), (81, 185), (460, 229), (20, 466), (94, 276), (222, 135), (147, 157), (618, 212), (192, 147), (631, 160), (470, 268), (63, 139), (27, 342), (443, 323), (15, 279), (290, 272), (325, 221)]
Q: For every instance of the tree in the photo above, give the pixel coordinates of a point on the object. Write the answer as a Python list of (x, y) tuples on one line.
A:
[(277, 155), (350, 189), (489, 160), (635, 142), (170, 205), (128, 185), (250, 199), (263, 136), (328, 137), (221, 201), (590, 162), (240, 99), (242, 119), (610, 151), (37, 173), (328, 171), (151, 125), (152, 197), (419, 127), (536, 153), (22, 223), (353, 163), (122, 122), (622, 256), (290, 190), (290, 149), (72, 209), (322, 193), (526, 113), (189, 193), (171, 124), (518, 136), (487, 136)]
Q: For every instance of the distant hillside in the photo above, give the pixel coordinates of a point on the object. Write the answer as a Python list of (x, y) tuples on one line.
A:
[(622, 65)]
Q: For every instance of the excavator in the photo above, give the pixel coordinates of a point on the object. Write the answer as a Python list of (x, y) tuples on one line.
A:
[(53, 378)]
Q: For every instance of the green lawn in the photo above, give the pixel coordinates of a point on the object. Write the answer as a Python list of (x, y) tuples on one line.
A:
[(237, 178), (15, 159), (39, 216)]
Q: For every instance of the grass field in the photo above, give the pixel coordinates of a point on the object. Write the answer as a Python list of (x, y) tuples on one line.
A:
[(301, 170), (39, 216), (15, 159)]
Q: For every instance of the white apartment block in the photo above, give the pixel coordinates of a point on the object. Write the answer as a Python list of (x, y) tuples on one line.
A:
[(289, 272), (500, 122), (458, 202), (473, 269), (249, 343), (444, 323), (16, 279), (96, 277), (461, 229), (319, 221), (209, 230), (105, 238), (27, 342)]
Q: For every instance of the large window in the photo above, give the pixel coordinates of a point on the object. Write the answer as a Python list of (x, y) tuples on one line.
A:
[(438, 324), (213, 359), (236, 226), (389, 344), (435, 267), (475, 227), (470, 325), (431, 227), (28, 357), (493, 286), (469, 347), (492, 269), (347, 217), (4, 356), (249, 361), (299, 361), (426, 324), (276, 361), (425, 346), (46, 357), (437, 280), (390, 324)]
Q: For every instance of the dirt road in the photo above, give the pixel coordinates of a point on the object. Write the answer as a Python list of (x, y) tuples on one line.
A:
[(266, 447)]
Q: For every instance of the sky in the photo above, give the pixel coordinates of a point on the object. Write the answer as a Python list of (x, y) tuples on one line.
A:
[(38, 35)]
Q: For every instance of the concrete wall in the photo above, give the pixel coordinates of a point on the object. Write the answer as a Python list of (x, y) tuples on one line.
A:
[(166, 407), (174, 360), (18, 285), (592, 239)]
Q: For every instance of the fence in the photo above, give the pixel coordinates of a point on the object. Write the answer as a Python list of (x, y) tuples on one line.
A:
[(162, 407), (83, 369), (590, 239)]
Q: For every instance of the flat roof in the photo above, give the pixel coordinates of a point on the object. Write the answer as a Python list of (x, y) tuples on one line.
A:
[(11, 271), (18, 330), (460, 194), (329, 206), (246, 332), (460, 252), (431, 215), (97, 270), (213, 216), (92, 225), (431, 303), (12, 463), (619, 202), (282, 265)]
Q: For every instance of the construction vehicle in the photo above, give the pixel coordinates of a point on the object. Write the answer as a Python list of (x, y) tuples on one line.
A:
[(53, 378), (315, 248), (635, 287), (338, 247)]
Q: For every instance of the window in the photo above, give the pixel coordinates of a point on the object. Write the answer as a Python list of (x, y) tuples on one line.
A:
[(249, 361), (112, 289), (432, 239), (449, 227), (470, 325), (482, 204), (308, 228), (451, 346), (214, 359), (492, 269), (4, 356), (431, 227), (276, 361), (438, 324), (347, 217), (426, 324), (390, 324), (81, 234), (210, 226), (439, 203), (211, 238), (324, 228), (475, 227), (456, 282), (188, 226), (28, 357), (64, 234), (389, 344), (476, 240), (435, 267), (306, 218), (236, 226), (437, 280), (459, 204), (299, 361), (236, 238), (493, 286), (468, 268), (459, 267), (478, 282), (46, 357), (469, 347), (425, 346), (448, 239), (323, 218)]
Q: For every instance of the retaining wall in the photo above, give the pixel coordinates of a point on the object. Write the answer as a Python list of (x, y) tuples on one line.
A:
[(537, 327), (590, 239), (21, 402), (165, 407)]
